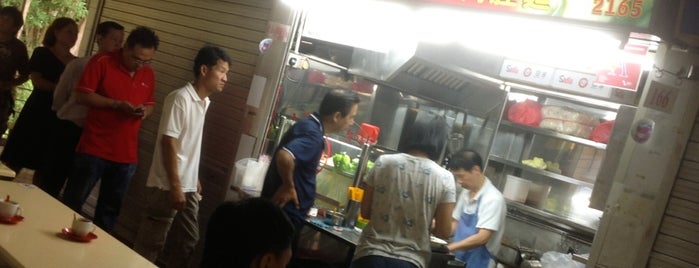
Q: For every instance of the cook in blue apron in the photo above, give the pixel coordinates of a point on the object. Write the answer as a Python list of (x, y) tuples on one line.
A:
[(477, 257)]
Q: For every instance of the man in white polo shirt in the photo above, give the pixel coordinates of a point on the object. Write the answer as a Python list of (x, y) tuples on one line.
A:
[(173, 192)]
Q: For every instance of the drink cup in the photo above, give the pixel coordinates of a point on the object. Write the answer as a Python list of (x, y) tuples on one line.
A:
[(82, 226), (338, 219), (9, 209)]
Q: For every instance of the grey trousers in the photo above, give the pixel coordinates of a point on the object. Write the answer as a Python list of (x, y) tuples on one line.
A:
[(160, 223)]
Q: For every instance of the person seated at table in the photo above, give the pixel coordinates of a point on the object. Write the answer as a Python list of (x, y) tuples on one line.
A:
[(251, 233)]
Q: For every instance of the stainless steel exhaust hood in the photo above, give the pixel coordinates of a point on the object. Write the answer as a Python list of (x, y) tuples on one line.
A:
[(449, 74)]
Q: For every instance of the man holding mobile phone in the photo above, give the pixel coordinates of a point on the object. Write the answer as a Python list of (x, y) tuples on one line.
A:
[(118, 90)]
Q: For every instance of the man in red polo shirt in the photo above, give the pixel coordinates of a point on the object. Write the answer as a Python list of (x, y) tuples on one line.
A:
[(118, 90)]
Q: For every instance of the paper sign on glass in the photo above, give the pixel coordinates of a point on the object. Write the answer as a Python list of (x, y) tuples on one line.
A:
[(257, 88)]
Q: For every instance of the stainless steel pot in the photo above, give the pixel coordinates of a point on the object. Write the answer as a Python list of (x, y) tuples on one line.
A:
[(509, 256)]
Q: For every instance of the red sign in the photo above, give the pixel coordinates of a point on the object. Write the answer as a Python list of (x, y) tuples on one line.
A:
[(624, 74)]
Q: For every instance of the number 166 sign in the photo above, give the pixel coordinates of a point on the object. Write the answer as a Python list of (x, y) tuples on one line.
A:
[(661, 97)]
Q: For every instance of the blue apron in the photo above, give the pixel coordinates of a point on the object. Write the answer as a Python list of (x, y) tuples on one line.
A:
[(477, 257)]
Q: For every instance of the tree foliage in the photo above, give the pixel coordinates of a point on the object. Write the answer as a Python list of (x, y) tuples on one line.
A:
[(41, 14)]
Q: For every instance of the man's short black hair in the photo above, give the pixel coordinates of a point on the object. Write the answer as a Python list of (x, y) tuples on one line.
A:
[(466, 159), (209, 56), (338, 100), (105, 27), (257, 224), (428, 134), (143, 36), (14, 14)]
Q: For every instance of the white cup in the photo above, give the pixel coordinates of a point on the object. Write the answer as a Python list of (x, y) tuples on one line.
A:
[(9, 209), (82, 226)]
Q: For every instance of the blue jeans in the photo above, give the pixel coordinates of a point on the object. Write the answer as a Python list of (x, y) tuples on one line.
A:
[(373, 261), (87, 171)]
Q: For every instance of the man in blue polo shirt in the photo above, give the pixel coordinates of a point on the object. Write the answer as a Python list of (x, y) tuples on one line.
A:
[(291, 179)]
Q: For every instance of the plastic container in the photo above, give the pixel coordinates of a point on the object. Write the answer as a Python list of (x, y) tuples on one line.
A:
[(250, 175), (538, 193), (361, 223), (516, 189)]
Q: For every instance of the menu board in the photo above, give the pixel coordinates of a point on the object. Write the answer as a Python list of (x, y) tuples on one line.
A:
[(628, 13)]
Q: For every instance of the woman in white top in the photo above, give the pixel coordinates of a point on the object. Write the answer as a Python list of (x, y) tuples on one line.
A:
[(403, 194)]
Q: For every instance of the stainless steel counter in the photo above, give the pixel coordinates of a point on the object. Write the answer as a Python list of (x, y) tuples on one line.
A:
[(349, 238)]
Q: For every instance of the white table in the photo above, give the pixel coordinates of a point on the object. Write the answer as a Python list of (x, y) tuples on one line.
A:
[(34, 242)]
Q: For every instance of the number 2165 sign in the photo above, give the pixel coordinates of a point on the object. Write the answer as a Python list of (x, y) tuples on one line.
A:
[(661, 97)]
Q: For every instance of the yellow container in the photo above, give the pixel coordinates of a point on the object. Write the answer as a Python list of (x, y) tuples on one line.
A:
[(355, 193), (361, 222)]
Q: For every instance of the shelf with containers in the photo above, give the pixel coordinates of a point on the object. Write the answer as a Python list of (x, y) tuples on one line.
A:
[(544, 159)]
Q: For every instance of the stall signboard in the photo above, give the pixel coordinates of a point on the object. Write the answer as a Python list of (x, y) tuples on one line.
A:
[(567, 80), (626, 13), (527, 72), (578, 82)]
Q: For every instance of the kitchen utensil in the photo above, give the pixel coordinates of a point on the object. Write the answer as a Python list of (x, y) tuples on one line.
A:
[(9, 209), (82, 227), (11, 220), (456, 142), (67, 233)]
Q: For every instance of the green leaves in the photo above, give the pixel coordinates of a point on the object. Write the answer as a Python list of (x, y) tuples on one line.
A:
[(345, 164), (42, 13), (342, 162)]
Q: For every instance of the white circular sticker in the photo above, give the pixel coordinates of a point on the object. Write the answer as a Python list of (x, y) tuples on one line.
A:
[(643, 130), (265, 44)]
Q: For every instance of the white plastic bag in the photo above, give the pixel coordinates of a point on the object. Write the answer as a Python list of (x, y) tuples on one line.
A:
[(553, 259), (567, 121), (252, 175)]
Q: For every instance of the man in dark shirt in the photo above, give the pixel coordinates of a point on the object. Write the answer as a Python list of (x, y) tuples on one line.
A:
[(14, 69), (291, 179)]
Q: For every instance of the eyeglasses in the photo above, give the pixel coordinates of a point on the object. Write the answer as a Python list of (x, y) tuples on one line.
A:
[(140, 61)]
